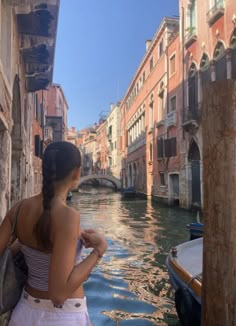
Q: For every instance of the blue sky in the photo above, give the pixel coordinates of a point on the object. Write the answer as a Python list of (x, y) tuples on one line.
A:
[(100, 44)]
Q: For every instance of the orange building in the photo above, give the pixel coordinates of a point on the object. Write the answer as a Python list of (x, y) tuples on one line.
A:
[(208, 43)]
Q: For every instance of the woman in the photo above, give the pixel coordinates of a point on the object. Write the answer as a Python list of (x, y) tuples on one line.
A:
[(49, 235)]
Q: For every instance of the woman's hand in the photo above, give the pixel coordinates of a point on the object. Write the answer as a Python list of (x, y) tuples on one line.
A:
[(93, 239)]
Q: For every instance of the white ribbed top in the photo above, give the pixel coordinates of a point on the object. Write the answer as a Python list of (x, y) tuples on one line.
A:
[(38, 263)]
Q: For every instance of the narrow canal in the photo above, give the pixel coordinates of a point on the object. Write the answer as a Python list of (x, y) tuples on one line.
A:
[(130, 286)]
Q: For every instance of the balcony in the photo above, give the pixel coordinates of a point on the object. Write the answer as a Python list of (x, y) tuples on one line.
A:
[(191, 36), (171, 119), (215, 12), (137, 143), (191, 119), (37, 24), (160, 123)]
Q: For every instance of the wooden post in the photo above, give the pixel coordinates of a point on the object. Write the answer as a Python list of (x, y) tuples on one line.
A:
[(219, 176)]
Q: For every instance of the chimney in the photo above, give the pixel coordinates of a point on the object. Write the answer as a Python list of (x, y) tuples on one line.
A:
[(148, 43)]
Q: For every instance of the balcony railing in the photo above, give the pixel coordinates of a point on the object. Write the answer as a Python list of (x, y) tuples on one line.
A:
[(215, 12), (191, 119), (171, 119), (137, 143), (191, 36)]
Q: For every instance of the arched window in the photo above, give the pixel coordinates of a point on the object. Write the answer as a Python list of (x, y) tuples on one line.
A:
[(193, 88), (205, 70), (233, 47), (220, 59)]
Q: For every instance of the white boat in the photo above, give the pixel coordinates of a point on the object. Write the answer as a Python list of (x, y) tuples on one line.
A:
[(184, 264)]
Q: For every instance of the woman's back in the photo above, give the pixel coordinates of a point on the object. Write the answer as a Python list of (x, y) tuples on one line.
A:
[(48, 232)]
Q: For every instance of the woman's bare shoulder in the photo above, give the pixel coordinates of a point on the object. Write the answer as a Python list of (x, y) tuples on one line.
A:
[(65, 217)]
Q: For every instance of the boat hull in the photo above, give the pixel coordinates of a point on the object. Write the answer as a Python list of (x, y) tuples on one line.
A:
[(184, 265)]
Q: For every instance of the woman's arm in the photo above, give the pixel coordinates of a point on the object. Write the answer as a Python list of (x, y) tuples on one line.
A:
[(64, 277)]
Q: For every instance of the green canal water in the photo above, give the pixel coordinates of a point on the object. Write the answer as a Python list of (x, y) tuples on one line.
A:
[(130, 286)]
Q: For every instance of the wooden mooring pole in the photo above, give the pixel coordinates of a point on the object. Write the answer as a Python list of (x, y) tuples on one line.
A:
[(219, 177)]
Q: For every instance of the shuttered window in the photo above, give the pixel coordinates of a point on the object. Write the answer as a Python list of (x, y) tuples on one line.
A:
[(160, 148), (167, 147), (170, 147)]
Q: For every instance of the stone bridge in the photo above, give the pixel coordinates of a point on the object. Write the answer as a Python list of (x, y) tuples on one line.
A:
[(116, 182)]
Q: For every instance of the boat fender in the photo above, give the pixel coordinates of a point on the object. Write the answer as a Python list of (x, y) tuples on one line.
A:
[(185, 307)]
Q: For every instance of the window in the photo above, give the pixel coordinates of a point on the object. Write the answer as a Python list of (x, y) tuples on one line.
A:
[(162, 178), (233, 46), (170, 147), (151, 113), (150, 152), (216, 11), (172, 64), (193, 88), (166, 147), (161, 106), (160, 48), (160, 148), (221, 63), (205, 70), (151, 64), (144, 77), (173, 103), (37, 146), (110, 131), (192, 14), (36, 111)]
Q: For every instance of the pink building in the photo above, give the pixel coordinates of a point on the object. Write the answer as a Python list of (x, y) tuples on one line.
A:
[(208, 43)]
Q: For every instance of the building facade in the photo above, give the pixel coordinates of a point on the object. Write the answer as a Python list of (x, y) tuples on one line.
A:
[(26, 65), (113, 140), (208, 43), (149, 119), (56, 108), (101, 148)]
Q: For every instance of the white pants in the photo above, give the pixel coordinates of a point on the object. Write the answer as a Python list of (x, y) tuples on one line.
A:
[(31, 311)]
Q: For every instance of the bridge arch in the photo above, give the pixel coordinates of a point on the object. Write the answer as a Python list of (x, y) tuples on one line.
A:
[(116, 182)]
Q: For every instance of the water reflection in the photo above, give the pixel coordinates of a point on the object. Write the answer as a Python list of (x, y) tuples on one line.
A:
[(130, 286)]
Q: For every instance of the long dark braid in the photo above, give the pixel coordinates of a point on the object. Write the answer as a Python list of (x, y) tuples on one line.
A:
[(59, 159)]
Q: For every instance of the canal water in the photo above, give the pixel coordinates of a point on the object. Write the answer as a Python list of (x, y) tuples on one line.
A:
[(130, 286)]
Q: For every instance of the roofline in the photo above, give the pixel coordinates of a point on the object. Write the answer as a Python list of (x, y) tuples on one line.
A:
[(156, 36), (61, 89)]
